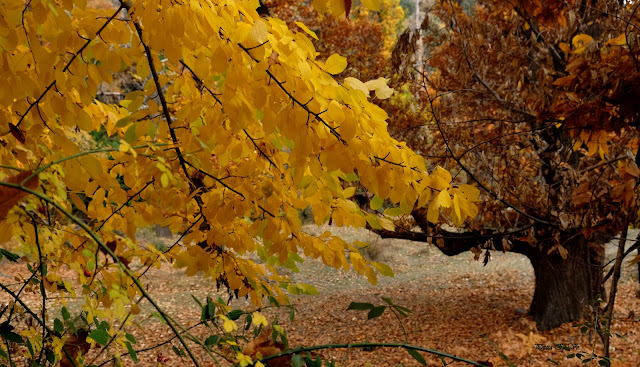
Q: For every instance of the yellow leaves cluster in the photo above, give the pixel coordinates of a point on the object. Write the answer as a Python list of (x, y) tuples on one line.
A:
[(595, 141), (258, 130), (458, 203)]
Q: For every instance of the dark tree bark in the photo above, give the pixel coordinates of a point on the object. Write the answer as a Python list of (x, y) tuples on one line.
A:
[(565, 286)]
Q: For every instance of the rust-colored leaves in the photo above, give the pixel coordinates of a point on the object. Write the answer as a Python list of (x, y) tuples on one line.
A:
[(10, 196)]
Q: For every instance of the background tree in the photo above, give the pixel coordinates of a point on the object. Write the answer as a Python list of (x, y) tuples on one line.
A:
[(536, 103), (237, 126), (365, 37)]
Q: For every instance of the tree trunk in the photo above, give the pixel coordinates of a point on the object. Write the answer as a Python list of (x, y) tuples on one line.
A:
[(565, 286)]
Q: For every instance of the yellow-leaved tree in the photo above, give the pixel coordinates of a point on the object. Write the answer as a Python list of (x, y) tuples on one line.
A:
[(236, 127)]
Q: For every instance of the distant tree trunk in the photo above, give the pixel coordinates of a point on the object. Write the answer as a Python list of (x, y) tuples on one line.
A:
[(565, 286)]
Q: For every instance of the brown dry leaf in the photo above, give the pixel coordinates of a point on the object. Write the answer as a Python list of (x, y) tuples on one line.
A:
[(9, 196), (75, 345), (264, 346)]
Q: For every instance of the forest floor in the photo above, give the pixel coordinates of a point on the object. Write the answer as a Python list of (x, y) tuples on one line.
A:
[(458, 306)]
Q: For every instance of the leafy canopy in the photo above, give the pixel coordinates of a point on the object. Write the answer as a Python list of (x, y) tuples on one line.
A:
[(236, 126)]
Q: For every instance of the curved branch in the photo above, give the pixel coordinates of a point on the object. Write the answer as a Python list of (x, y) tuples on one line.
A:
[(455, 243), (373, 345)]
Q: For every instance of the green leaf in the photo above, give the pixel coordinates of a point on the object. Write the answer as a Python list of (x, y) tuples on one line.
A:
[(65, 313), (401, 308), (393, 212), (100, 336), (351, 177), (58, 326), (197, 301), (359, 306), (604, 362), (311, 362), (248, 322), (9, 255), (387, 300), (274, 301), (13, 337), (132, 352), (131, 338), (178, 351), (211, 309), (376, 312), (50, 355), (376, 203), (212, 340), (29, 346), (235, 314), (297, 361), (157, 315), (417, 356)]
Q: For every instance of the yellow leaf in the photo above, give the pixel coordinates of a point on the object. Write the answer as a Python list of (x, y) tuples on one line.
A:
[(565, 47), (337, 7), (384, 92), (6, 231), (372, 4), (357, 85), (384, 269), (335, 112), (380, 87), (376, 83), (242, 32), (335, 64), (443, 199), (580, 43), (320, 5), (305, 69), (228, 325), (621, 40), (306, 30), (470, 192), (259, 32), (259, 319)]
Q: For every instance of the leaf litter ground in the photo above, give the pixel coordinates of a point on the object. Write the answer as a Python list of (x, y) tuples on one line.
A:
[(458, 306)]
